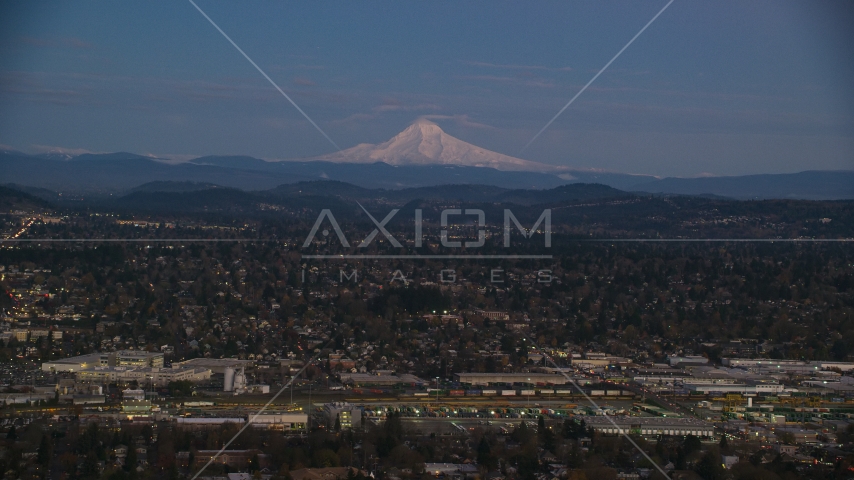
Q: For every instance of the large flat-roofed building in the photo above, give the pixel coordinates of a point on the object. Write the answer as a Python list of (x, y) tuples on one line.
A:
[(136, 406), (215, 365), (650, 426), (786, 366), (207, 423), (688, 361), (121, 358), (367, 379), (510, 378), (72, 364), (758, 388), (285, 422), (143, 375)]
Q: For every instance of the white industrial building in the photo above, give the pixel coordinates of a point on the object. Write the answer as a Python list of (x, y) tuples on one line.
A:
[(153, 376), (72, 364), (131, 394), (285, 422), (347, 414), (132, 358)]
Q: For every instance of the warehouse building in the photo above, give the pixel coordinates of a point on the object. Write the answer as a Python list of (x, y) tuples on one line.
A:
[(651, 426), (486, 379), (367, 379), (744, 389), (281, 422), (158, 377), (72, 364), (207, 423), (215, 365)]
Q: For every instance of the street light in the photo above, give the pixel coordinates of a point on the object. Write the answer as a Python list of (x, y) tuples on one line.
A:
[(437, 390)]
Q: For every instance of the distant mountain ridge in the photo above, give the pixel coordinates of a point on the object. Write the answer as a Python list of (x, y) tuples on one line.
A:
[(122, 172), (12, 198), (167, 186), (186, 196), (466, 193)]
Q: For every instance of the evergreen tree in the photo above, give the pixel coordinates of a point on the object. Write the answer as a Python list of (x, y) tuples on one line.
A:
[(130, 460), (484, 455), (45, 451), (709, 467), (724, 446)]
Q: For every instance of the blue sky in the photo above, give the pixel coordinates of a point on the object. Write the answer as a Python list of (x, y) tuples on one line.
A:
[(724, 87)]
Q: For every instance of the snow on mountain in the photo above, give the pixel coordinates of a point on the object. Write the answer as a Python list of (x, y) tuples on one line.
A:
[(424, 143)]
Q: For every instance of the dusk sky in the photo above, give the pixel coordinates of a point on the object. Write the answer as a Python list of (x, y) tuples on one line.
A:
[(719, 87)]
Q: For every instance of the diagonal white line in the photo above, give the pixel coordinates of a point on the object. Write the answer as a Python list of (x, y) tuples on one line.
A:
[(254, 417), (598, 408), (380, 228), (265, 75), (595, 76)]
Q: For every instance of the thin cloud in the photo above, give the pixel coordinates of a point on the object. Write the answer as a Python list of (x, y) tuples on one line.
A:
[(67, 42), (394, 105), (510, 66), (60, 150), (75, 42), (33, 88), (6, 148), (527, 82), (172, 158), (36, 42), (460, 120), (304, 81), (356, 117)]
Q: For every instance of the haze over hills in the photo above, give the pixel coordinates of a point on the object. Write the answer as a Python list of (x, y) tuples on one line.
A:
[(808, 185), (420, 156)]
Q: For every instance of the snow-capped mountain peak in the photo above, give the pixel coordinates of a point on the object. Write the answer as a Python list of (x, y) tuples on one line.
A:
[(425, 143)]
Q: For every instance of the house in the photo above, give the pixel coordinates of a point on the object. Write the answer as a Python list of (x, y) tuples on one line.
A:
[(729, 461), (329, 473), (783, 449), (246, 476), (120, 451), (452, 470)]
